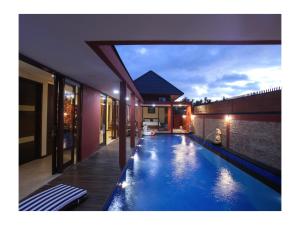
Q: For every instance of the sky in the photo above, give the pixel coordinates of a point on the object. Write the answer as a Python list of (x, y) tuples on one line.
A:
[(211, 71)]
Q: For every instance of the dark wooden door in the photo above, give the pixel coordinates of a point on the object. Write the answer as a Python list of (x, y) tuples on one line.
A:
[(30, 95), (51, 120)]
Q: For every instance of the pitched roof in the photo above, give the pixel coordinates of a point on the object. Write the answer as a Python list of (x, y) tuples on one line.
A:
[(152, 83)]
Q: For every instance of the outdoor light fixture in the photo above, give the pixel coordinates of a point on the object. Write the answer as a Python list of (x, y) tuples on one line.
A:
[(227, 118), (183, 116), (127, 98), (136, 104), (153, 105), (116, 91), (124, 184)]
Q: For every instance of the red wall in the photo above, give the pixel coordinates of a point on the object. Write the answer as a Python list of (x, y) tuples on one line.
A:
[(178, 121), (90, 121), (259, 103)]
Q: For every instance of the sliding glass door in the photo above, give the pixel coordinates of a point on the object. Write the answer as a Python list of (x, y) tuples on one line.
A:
[(67, 123)]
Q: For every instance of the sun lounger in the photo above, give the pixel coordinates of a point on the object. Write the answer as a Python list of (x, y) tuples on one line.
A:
[(53, 199)]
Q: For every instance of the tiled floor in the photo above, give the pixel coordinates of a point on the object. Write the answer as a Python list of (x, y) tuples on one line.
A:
[(175, 131), (98, 175), (34, 174)]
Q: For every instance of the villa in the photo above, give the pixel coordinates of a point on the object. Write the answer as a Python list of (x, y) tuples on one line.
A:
[(159, 103), (133, 144)]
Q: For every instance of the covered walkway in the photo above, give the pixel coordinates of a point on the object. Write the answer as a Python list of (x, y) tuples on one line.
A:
[(98, 174)]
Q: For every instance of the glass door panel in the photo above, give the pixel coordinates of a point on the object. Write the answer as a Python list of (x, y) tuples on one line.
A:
[(69, 124), (109, 120), (163, 118), (102, 119)]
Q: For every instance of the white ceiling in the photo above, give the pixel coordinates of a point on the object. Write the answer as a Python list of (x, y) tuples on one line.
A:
[(58, 41)]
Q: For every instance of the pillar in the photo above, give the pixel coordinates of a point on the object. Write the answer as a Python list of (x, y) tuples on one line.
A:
[(170, 118), (139, 119), (188, 119), (122, 125), (114, 119), (228, 134), (132, 120)]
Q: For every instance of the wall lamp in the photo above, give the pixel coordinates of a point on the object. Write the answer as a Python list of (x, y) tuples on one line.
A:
[(227, 118)]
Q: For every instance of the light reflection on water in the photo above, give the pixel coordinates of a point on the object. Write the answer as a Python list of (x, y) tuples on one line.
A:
[(174, 173), (225, 187), (127, 185), (184, 158), (116, 204)]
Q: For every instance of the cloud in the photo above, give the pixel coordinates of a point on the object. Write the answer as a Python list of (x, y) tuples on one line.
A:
[(200, 89), (142, 51), (211, 71)]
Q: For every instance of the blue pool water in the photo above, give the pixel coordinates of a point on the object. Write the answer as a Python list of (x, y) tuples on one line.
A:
[(172, 172)]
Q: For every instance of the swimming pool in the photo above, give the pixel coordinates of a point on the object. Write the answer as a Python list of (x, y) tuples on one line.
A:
[(172, 172)]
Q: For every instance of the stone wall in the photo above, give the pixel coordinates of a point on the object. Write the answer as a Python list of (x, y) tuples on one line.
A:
[(210, 129), (256, 138), (197, 126)]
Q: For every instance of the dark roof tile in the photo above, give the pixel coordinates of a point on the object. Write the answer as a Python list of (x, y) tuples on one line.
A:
[(152, 83)]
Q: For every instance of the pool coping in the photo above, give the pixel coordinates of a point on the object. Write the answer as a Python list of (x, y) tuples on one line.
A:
[(257, 171)]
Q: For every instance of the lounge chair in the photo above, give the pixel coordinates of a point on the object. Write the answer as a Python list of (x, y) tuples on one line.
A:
[(56, 198)]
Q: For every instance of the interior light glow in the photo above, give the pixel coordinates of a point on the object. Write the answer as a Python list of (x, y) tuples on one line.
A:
[(192, 117), (153, 105), (183, 116), (127, 98)]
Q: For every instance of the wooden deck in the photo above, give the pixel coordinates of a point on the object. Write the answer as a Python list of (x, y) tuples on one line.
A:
[(98, 175)]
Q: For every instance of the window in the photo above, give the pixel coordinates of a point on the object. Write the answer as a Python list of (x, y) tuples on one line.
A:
[(151, 110), (162, 99)]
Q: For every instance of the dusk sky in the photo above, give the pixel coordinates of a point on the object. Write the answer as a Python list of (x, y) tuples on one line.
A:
[(211, 71)]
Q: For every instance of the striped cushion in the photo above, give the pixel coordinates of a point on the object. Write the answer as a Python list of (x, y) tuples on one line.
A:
[(52, 199)]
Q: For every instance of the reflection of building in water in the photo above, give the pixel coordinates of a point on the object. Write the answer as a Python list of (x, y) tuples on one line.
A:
[(184, 159)]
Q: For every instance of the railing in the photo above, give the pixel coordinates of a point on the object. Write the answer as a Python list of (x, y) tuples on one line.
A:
[(254, 93), (264, 101), (245, 95)]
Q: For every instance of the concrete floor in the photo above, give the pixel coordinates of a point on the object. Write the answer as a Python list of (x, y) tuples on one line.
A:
[(102, 166)]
